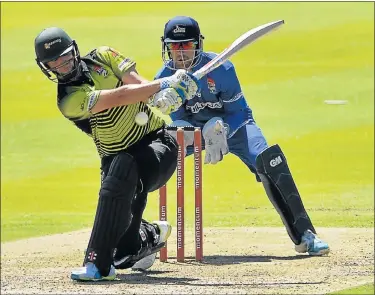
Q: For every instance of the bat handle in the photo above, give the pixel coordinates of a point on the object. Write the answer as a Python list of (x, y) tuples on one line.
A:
[(198, 75)]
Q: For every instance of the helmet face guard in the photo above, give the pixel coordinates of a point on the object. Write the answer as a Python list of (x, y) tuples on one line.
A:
[(181, 35), (168, 46), (52, 44), (53, 73)]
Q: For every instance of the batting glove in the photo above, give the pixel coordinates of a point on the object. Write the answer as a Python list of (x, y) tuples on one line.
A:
[(167, 100), (183, 82)]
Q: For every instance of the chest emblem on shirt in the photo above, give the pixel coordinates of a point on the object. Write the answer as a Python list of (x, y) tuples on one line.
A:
[(101, 71), (211, 85)]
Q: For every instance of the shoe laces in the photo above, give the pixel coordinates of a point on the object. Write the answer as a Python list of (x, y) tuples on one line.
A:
[(308, 236)]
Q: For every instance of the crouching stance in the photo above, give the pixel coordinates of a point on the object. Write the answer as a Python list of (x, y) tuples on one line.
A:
[(228, 126), (102, 94)]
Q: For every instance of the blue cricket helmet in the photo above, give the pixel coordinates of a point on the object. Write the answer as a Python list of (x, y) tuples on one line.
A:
[(181, 29)]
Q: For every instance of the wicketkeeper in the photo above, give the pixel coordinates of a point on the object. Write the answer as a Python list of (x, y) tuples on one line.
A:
[(228, 125)]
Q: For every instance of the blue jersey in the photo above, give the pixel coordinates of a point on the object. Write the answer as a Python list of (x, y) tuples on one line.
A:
[(220, 96)]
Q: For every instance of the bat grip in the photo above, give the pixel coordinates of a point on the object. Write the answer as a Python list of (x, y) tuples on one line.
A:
[(198, 75)]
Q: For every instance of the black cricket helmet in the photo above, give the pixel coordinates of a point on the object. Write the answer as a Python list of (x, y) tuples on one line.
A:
[(181, 29), (51, 44)]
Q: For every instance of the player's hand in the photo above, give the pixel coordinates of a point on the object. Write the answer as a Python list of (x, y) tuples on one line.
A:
[(183, 82), (167, 100), (215, 137)]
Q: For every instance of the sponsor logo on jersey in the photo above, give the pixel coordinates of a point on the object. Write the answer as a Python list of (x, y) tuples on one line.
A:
[(92, 101), (211, 85), (123, 64), (201, 105), (101, 71)]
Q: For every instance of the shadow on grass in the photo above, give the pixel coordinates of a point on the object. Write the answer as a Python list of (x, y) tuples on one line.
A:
[(147, 278), (155, 277), (237, 259)]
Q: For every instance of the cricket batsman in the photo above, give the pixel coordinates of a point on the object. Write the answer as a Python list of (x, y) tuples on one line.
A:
[(102, 94), (228, 125)]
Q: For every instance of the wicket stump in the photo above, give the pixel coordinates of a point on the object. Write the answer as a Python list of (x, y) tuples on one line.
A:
[(181, 194)]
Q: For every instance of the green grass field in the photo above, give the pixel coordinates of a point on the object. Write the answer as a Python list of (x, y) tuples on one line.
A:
[(365, 289), (50, 171)]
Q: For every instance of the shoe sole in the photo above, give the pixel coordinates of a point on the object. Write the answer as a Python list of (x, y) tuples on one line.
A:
[(118, 263), (148, 261), (303, 249), (83, 279), (320, 253)]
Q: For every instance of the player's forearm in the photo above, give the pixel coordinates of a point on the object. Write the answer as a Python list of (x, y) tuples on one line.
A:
[(125, 95), (133, 78)]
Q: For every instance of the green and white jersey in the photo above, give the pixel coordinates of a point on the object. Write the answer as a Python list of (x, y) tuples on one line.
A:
[(113, 129)]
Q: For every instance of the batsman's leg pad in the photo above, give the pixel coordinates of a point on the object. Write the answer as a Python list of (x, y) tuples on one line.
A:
[(113, 213), (278, 182), (130, 242)]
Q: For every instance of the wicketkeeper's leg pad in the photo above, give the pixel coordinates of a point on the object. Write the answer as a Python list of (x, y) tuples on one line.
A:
[(278, 182)]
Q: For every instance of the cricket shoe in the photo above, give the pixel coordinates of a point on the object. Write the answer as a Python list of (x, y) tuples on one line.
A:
[(312, 244), (152, 241), (90, 272), (165, 230)]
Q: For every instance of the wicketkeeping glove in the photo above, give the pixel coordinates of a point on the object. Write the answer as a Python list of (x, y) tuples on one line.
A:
[(215, 137)]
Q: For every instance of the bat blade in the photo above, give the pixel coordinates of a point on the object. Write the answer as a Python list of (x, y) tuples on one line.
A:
[(241, 42)]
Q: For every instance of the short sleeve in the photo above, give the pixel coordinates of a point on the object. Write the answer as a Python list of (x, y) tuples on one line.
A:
[(77, 105), (118, 62)]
